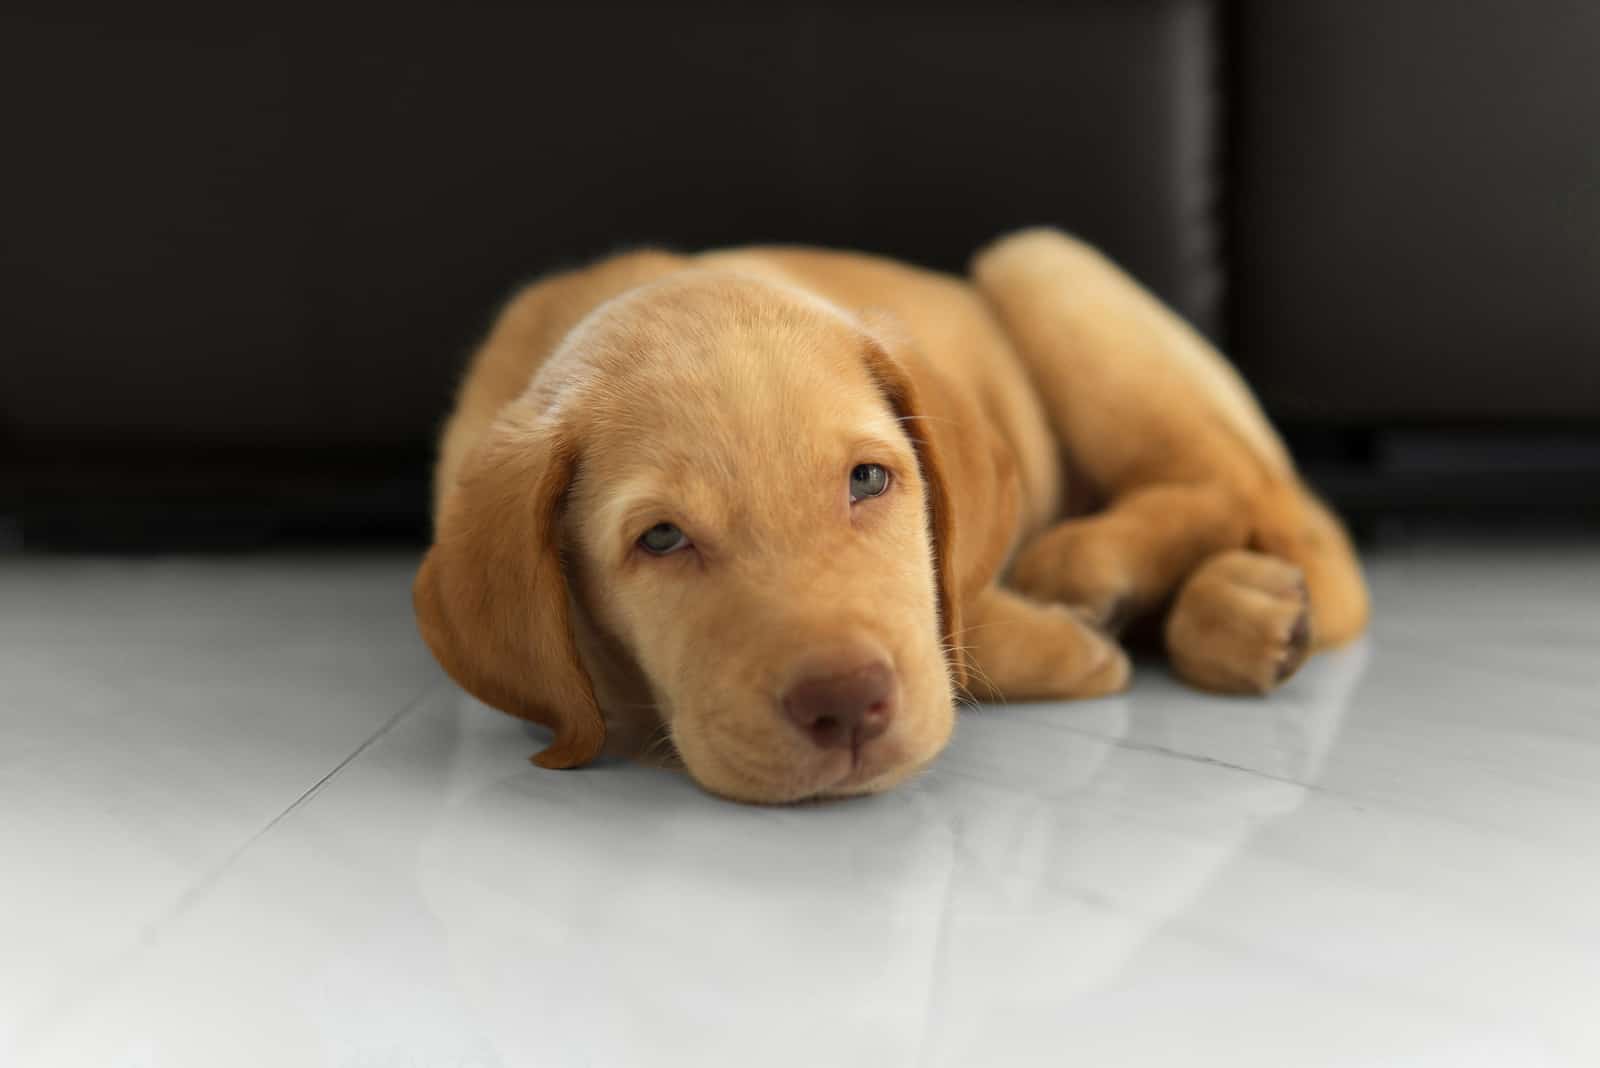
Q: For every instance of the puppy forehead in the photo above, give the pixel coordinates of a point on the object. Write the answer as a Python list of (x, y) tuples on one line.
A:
[(761, 440), (718, 369)]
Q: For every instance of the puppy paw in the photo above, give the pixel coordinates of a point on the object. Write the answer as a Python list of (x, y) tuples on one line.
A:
[(1101, 666), (1022, 650), (1241, 623)]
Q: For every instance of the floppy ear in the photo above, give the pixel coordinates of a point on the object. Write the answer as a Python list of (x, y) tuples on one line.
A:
[(491, 598), (898, 387)]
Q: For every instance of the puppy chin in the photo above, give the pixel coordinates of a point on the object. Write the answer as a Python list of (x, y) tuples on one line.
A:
[(728, 779), (865, 785), (818, 774)]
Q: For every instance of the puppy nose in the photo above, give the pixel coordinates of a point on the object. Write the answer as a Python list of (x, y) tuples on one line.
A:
[(842, 711)]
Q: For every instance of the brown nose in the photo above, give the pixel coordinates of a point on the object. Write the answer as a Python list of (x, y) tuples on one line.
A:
[(843, 711)]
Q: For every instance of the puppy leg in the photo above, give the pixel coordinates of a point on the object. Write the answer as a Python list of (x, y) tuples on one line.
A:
[(1136, 395), (1143, 403), (1241, 623), (1023, 650), (1152, 416), (1126, 560)]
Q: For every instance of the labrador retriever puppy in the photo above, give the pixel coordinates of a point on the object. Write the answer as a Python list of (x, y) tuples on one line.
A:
[(776, 509)]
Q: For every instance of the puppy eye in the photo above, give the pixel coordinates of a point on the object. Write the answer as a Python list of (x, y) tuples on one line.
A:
[(663, 538), (868, 480)]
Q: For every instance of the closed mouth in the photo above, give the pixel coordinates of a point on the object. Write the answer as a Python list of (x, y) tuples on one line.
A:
[(842, 773)]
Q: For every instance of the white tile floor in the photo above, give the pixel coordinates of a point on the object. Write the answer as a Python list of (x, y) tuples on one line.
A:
[(245, 821)]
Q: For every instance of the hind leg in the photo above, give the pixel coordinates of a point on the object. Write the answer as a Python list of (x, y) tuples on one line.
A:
[(1153, 417), (1161, 425), (1136, 396)]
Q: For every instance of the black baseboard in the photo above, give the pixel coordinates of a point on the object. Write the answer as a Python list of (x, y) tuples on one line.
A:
[(1375, 478)]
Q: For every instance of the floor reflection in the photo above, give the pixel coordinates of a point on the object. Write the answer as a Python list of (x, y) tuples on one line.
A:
[(619, 913)]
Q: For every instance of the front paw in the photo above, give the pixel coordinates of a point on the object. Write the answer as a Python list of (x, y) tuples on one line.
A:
[(1241, 623), (1101, 666)]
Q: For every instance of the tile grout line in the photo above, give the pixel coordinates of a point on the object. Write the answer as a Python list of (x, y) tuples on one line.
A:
[(1194, 758), (30, 1034), (316, 787), (187, 897)]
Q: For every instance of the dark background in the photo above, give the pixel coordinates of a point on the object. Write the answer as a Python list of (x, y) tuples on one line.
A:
[(246, 253)]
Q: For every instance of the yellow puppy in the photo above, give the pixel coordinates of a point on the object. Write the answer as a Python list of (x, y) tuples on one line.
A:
[(784, 504)]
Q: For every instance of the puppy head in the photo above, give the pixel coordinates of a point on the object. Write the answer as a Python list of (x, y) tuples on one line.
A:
[(729, 483)]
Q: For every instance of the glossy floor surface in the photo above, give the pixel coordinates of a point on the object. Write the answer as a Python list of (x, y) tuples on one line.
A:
[(245, 821)]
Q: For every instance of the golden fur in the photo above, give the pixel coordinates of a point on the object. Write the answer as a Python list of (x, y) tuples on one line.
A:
[(1065, 455)]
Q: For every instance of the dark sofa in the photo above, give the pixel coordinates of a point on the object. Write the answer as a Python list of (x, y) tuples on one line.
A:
[(245, 255)]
